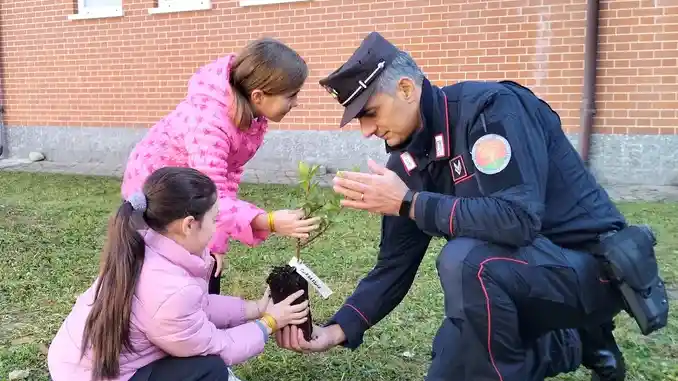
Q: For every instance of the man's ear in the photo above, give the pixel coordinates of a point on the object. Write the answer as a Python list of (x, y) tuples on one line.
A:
[(407, 89), (257, 97)]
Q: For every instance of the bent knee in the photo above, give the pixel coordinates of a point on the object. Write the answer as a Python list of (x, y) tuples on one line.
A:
[(214, 363), (455, 253), (468, 256)]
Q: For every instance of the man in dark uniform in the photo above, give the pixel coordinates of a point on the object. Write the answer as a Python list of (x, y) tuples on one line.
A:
[(486, 166)]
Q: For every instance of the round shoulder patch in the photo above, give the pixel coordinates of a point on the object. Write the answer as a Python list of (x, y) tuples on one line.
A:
[(491, 154)]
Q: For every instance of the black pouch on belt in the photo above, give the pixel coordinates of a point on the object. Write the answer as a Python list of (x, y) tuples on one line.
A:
[(630, 263)]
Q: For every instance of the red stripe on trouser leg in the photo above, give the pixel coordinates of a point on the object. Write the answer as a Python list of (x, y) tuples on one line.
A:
[(488, 307)]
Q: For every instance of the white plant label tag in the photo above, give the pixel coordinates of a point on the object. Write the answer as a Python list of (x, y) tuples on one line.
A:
[(311, 278)]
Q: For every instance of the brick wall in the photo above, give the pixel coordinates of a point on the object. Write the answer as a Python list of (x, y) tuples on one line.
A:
[(130, 71)]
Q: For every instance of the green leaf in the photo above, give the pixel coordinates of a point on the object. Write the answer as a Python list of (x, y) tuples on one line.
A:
[(306, 187), (313, 188), (303, 171), (316, 201), (314, 170)]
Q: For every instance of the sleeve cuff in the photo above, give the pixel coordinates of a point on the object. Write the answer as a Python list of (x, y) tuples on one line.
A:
[(237, 226), (248, 235), (433, 212), (226, 311), (353, 323), (264, 330)]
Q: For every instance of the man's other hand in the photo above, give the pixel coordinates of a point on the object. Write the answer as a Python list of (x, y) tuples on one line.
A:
[(381, 191), (322, 339)]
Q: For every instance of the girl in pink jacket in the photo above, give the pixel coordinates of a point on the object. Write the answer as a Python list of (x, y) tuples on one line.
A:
[(218, 128), (148, 315)]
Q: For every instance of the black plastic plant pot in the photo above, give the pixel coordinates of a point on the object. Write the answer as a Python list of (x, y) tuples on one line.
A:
[(285, 281)]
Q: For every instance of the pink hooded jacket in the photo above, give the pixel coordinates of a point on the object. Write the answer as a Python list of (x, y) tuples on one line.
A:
[(172, 314), (200, 134)]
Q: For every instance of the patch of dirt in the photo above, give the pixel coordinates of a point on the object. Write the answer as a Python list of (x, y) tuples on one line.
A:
[(22, 340), (12, 216), (8, 331)]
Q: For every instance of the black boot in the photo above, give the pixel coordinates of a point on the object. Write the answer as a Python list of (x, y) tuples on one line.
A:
[(601, 354)]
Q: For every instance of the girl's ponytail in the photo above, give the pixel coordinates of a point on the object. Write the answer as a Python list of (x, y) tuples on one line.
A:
[(107, 326)]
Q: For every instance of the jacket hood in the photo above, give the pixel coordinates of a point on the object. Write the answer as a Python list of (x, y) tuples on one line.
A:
[(211, 80)]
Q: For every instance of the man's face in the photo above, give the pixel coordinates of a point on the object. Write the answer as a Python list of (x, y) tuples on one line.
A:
[(392, 117)]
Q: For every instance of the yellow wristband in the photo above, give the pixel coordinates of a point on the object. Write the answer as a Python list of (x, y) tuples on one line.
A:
[(270, 322), (271, 226)]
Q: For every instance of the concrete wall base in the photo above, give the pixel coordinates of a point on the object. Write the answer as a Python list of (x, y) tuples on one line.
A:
[(615, 159)]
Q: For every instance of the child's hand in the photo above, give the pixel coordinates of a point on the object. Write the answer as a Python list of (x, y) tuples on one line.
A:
[(290, 223), (262, 303), (254, 309), (285, 313), (219, 258)]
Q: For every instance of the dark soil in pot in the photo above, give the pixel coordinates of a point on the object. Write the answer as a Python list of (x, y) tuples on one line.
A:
[(285, 281)]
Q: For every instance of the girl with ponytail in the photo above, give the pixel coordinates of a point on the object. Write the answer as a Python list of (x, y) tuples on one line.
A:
[(217, 128), (148, 315)]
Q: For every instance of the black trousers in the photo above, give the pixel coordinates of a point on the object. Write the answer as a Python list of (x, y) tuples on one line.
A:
[(513, 315), (214, 284), (199, 368)]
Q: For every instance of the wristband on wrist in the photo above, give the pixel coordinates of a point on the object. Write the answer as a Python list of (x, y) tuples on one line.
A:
[(271, 225), (263, 329), (270, 321)]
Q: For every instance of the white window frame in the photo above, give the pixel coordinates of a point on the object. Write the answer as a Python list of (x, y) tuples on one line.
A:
[(96, 12), (172, 6), (251, 3)]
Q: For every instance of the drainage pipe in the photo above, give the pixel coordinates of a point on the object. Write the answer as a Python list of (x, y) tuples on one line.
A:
[(2, 118), (588, 111)]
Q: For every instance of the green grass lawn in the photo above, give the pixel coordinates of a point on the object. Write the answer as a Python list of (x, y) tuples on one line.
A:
[(52, 228)]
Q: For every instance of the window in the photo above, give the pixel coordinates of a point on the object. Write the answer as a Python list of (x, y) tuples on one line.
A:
[(169, 6), (92, 9)]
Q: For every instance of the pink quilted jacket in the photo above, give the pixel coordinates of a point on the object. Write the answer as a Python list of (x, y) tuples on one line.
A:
[(200, 134), (172, 314)]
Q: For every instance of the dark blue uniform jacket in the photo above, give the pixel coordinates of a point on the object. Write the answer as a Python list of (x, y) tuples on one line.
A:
[(492, 163)]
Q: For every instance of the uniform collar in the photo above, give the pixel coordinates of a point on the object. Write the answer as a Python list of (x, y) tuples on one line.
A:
[(431, 141)]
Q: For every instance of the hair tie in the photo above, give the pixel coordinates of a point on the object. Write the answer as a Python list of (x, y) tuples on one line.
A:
[(138, 201)]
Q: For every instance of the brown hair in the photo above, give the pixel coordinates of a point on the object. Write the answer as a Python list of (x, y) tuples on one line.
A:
[(268, 65), (170, 194)]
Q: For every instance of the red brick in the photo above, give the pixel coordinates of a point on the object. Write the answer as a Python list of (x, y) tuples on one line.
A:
[(132, 70)]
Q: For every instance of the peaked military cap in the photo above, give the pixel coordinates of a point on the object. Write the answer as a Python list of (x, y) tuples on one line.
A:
[(354, 82)]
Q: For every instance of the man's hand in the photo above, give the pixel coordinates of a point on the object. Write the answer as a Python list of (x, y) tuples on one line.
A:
[(381, 191), (322, 339)]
